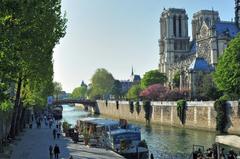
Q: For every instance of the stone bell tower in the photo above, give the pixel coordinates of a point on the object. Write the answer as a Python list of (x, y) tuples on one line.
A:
[(174, 39)]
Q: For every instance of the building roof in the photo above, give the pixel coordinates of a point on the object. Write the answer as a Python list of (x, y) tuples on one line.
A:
[(136, 78), (226, 28), (200, 64)]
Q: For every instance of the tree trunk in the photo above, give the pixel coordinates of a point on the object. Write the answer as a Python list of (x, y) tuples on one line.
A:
[(22, 119), (15, 110), (19, 115)]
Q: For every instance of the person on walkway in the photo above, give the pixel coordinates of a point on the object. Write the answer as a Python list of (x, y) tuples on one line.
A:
[(50, 151), (54, 134), (151, 156), (56, 151), (58, 134), (70, 157)]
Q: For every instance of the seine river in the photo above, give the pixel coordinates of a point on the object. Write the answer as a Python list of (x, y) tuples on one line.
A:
[(163, 141)]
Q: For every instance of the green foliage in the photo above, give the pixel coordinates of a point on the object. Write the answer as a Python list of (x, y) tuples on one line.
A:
[(181, 110), (131, 106), (206, 89), (227, 74), (57, 88), (137, 107), (102, 83), (26, 46), (153, 77), (220, 107), (133, 92), (79, 92), (176, 79), (116, 89), (117, 104), (147, 109), (66, 126), (6, 105)]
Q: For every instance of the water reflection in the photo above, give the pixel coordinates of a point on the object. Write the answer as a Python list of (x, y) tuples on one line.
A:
[(162, 140)]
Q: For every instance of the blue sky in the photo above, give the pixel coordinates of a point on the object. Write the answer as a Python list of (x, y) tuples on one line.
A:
[(116, 35)]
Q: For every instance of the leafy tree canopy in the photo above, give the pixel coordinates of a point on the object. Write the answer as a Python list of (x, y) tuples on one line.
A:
[(102, 83), (116, 89), (134, 91), (79, 92), (176, 79), (227, 74), (153, 77)]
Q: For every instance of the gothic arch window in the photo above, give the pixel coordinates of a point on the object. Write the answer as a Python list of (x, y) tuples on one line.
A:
[(174, 25), (180, 26)]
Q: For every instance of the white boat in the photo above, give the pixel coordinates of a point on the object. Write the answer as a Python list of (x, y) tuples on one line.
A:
[(118, 136)]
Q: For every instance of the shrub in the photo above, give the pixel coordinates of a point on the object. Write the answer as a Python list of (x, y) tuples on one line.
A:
[(117, 104), (137, 107), (66, 126), (106, 103), (131, 106), (181, 110), (220, 107), (147, 109)]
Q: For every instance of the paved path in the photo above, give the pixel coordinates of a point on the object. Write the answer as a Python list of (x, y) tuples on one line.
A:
[(34, 144)]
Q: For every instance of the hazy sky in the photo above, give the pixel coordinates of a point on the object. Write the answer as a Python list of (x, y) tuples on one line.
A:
[(116, 35)]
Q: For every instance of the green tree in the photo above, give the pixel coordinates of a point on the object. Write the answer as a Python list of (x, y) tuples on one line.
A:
[(102, 83), (116, 89), (57, 88), (134, 91), (26, 48), (176, 80), (153, 77), (227, 74), (79, 92), (206, 89)]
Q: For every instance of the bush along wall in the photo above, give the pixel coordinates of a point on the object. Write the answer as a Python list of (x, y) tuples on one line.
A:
[(181, 110), (131, 106), (106, 103), (137, 107), (117, 104), (147, 109), (220, 107)]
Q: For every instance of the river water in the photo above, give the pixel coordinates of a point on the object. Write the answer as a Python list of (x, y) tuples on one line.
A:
[(163, 141)]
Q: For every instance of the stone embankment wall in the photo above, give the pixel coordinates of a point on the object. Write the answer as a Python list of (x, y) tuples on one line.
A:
[(199, 115)]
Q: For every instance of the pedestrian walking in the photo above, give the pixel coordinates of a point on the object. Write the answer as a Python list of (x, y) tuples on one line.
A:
[(50, 151), (58, 134), (56, 151), (70, 157), (54, 134), (151, 156)]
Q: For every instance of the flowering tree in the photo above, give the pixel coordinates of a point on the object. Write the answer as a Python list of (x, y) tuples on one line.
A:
[(159, 92), (154, 92)]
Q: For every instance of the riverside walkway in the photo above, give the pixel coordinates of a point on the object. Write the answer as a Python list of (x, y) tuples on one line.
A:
[(35, 142)]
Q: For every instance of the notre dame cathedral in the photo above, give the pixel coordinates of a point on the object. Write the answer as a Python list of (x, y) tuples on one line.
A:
[(210, 37)]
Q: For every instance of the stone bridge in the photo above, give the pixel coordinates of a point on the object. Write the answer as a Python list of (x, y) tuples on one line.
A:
[(73, 101)]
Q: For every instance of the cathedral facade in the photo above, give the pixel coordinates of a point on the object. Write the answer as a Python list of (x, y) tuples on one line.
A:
[(179, 54)]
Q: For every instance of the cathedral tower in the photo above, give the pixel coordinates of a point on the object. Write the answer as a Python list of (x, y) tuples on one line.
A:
[(174, 39), (237, 12)]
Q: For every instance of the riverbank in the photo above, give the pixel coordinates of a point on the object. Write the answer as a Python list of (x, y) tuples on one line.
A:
[(34, 143), (199, 115)]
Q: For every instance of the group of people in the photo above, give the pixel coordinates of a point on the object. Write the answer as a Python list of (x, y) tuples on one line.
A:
[(212, 153), (55, 151)]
